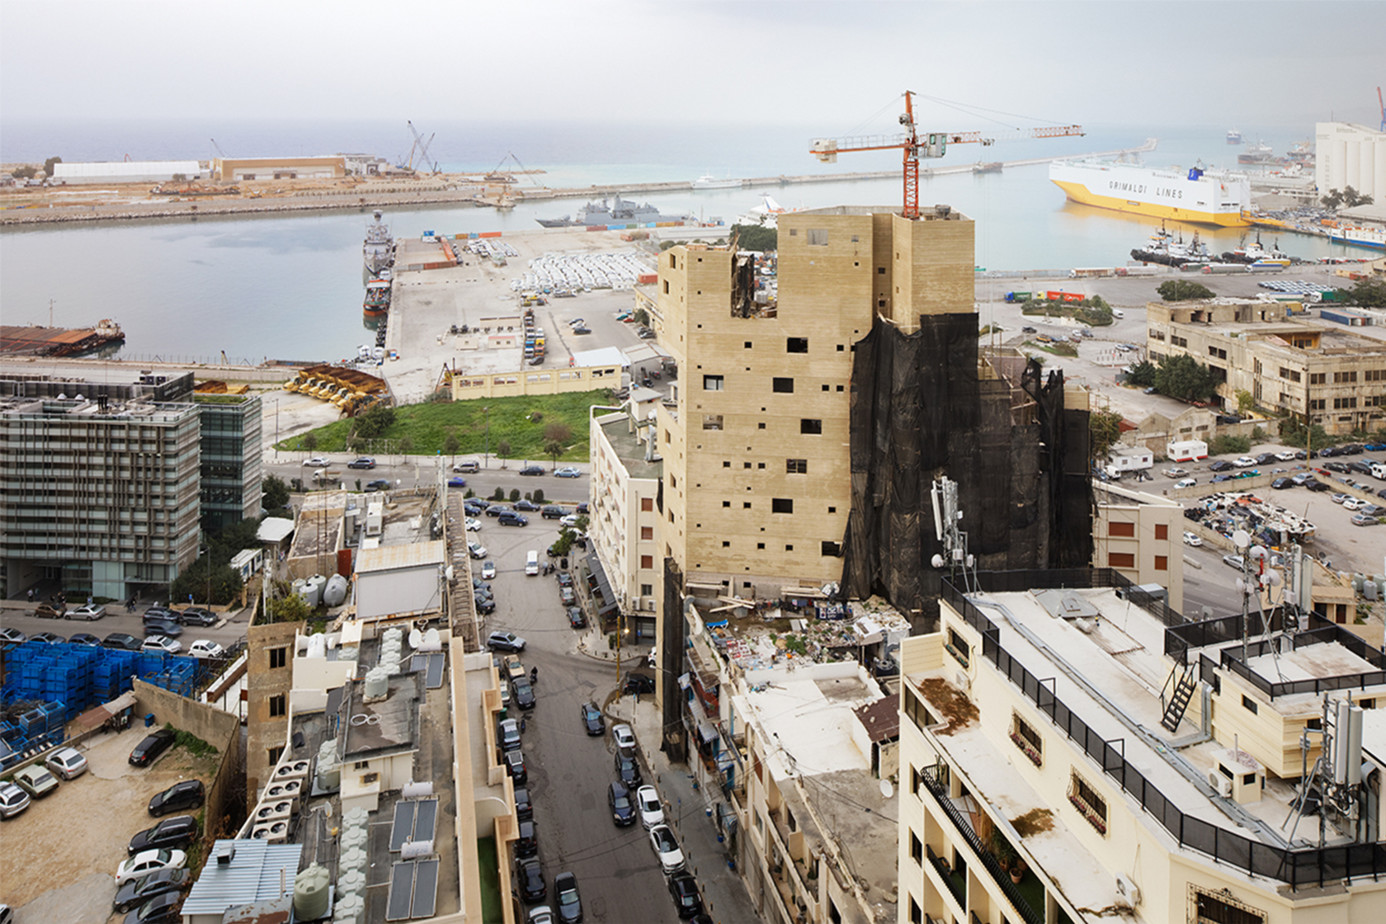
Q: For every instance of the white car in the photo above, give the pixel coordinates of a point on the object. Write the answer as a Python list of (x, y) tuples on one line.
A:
[(473, 525), (1352, 503), (1244, 462), (488, 571), (1286, 456), (1186, 482), (161, 644), (87, 611), (203, 648), (666, 848), (1176, 472), (1192, 539), (476, 549), (316, 462), (569, 520), (647, 802), (67, 763), (147, 861), (625, 738)]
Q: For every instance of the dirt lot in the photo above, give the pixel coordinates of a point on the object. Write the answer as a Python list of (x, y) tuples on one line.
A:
[(61, 855)]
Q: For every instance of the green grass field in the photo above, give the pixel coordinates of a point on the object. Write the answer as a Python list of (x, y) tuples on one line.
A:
[(425, 427)]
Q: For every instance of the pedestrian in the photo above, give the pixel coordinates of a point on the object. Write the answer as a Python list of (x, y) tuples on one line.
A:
[(534, 675), (31, 595), (522, 725), (88, 599)]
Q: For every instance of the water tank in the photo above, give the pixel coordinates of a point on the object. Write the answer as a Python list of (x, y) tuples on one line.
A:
[(416, 790), (353, 837), (317, 646), (351, 882), (433, 639), (377, 683), (412, 850), (349, 909), (415, 639), (334, 593), (329, 775), (392, 636), (356, 817), (314, 588), (353, 858), (299, 588)]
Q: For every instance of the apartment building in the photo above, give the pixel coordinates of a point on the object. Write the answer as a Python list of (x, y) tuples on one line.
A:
[(1068, 755), (99, 483), (1141, 536), (1297, 365), (231, 473)]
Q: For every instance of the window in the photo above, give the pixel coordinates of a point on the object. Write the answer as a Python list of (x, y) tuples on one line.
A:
[(958, 648), (760, 546), (273, 754), (1344, 378), (916, 913), (666, 284), (647, 590), (712, 383), (832, 548), (1161, 562), (647, 532), (1318, 378), (810, 425), (880, 271), (745, 505), (782, 505), (916, 849), (1161, 530), (746, 345), (278, 657), (647, 503), (1027, 738), (1249, 704), (712, 422), (726, 544), (726, 503), (1121, 529), (276, 704), (1089, 804), (789, 548), (1121, 559), (647, 561), (796, 466), (784, 386), (817, 237), (1222, 909), (796, 345)]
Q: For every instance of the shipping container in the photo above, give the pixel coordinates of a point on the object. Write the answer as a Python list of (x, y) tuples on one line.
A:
[(1186, 450)]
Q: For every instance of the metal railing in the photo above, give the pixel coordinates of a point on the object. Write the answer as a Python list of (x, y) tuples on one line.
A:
[(1299, 868)]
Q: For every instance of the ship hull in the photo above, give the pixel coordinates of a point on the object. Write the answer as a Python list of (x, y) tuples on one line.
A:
[(1202, 198)]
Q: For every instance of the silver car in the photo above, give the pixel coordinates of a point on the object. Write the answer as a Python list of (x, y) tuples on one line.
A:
[(67, 763), (13, 800)]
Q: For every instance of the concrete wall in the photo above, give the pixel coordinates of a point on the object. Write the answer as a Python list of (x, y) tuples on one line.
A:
[(263, 684), (471, 385), (220, 729)]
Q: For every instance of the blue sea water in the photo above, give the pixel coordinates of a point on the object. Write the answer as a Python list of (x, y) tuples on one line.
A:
[(290, 286)]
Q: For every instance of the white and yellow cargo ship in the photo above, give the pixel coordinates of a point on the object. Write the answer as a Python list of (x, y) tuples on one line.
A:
[(1206, 198)]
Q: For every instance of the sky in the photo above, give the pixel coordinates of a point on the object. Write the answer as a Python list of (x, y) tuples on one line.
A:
[(841, 64)]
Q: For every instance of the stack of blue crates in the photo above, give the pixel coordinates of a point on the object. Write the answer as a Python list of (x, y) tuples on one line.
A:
[(82, 676)]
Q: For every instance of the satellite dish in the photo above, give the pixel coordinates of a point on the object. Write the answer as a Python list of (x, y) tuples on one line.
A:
[(887, 790), (1241, 539), (1258, 552), (937, 560)]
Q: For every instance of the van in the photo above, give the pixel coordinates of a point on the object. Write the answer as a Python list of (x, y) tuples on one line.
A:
[(1118, 313), (532, 562)]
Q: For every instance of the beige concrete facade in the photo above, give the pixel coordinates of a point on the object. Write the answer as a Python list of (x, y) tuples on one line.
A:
[(1288, 364), (277, 168), (466, 386), (269, 680), (757, 487), (624, 521), (1140, 535)]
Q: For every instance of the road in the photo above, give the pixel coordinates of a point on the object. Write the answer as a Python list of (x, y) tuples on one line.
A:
[(618, 875), (412, 471)]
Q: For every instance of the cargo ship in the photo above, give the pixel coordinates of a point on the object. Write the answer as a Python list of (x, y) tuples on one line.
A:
[(378, 251), (708, 181), (22, 340), (620, 213), (1198, 196), (1361, 237)]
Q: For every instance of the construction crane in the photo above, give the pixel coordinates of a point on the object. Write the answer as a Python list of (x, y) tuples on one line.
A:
[(1382, 103), (220, 152), (422, 147), (934, 144)]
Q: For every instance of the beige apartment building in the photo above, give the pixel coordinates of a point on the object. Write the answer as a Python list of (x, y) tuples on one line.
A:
[(756, 445), (1291, 364), (1067, 755), (1140, 535)]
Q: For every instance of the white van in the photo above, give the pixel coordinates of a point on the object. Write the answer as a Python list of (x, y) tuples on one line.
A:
[(532, 562)]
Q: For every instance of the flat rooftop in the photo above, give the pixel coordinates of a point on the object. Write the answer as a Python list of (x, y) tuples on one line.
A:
[(388, 725), (631, 451)]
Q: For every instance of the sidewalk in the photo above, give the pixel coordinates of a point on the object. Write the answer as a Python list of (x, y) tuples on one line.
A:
[(689, 812)]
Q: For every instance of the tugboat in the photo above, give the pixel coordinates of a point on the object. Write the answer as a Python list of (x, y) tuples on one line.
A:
[(1256, 255), (378, 251), (377, 301), (1166, 251)]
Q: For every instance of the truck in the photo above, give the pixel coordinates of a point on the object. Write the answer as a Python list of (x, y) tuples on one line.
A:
[(1124, 459), (1378, 470), (1186, 450)]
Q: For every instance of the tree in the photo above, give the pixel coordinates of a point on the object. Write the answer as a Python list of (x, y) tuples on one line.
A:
[(52, 162), (274, 494), (503, 449), (1184, 378), (1332, 200), (204, 574), (25, 172), (1179, 290), (1103, 429), (1142, 374), (755, 237), (558, 432), (309, 441), (406, 445), (514, 495), (538, 496), (374, 422), (452, 444), (641, 316), (1352, 197), (1245, 401), (288, 606), (1365, 293)]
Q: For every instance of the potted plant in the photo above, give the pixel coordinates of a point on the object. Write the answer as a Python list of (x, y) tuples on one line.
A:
[(1003, 851), (1018, 870)]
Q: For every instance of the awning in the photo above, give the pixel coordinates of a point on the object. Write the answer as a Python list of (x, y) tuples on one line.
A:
[(608, 604)]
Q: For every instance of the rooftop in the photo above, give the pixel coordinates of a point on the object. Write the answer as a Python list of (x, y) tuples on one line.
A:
[(386, 726), (255, 871), (390, 557), (621, 435)]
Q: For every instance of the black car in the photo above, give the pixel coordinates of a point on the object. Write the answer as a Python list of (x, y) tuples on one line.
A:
[(638, 683), (363, 462), (530, 876), (575, 618), (532, 470), (527, 844), (511, 518), (176, 833), (136, 892), (1281, 483), (1351, 449), (379, 484), (515, 766), (627, 767), (1221, 465), (184, 794), (582, 508), (161, 909), (152, 746), (197, 616), (1340, 467), (684, 888), (1328, 452), (496, 510), (522, 693), (524, 809), (166, 627), (486, 606), (553, 513), (592, 720), (528, 506), (161, 612), (1266, 458), (565, 895), (1360, 468), (1317, 486), (622, 810)]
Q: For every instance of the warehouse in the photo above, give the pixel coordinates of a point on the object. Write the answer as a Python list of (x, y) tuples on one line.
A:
[(230, 169), (129, 171)]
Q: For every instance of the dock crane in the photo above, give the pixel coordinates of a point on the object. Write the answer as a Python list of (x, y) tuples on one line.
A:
[(422, 147), (933, 144)]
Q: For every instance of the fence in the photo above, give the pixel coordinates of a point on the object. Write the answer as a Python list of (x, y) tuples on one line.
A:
[(1298, 868)]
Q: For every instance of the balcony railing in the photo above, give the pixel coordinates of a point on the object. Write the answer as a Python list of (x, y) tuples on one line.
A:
[(955, 883), (1003, 879)]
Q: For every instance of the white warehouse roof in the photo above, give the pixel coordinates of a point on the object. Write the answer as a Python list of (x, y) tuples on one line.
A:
[(130, 168)]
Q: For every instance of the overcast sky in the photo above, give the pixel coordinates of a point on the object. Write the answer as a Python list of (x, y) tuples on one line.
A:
[(791, 62)]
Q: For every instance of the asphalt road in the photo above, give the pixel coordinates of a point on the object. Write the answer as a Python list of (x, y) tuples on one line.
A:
[(17, 614), (617, 872)]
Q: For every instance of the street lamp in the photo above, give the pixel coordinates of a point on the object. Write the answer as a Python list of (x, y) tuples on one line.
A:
[(486, 413)]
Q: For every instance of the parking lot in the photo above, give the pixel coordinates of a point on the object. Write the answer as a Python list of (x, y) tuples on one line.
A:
[(77, 836)]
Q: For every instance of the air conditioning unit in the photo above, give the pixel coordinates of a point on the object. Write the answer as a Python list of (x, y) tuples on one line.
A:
[(275, 832), (962, 681), (1220, 784), (1128, 893), (272, 810), (293, 770)]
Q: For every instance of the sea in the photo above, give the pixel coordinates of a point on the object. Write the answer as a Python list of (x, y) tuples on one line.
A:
[(290, 286)]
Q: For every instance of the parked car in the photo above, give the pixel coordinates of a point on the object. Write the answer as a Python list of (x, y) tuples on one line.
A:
[(532, 470), (627, 767), (198, 616), (149, 861), (552, 512), (569, 520), (528, 506), (46, 611), (1302, 478), (684, 889), (486, 606), (565, 894), (1352, 503), (1362, 519), (153, 625), (592, 719), (363, 462), (1339, 497), (476, 550), (315, 462), (522, 693), (87, 611), (1221, 465), (648, 805), (508, 735), (121, 641), (204, 648), (529, 875), (1176, 472), (1192, 539), (1373, 510), (184, 794), (623, 736), (36, 781), (84, 638), (1266, 458), (566, 596), (1232, 560), (1245, 462), (1313, 485), (666, 848), (162, 909), (1185, 483), (505, 641), (67, 763), (48, 638), (138, 891), (149, 749), (567, 472), (473, 525), (496, 510), (638, 683), (511, 518), (13, 800), (1282, 483), (618, 798), (576, 619), (179, 831), (161, 644), (1286, 456), (12, 636)]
